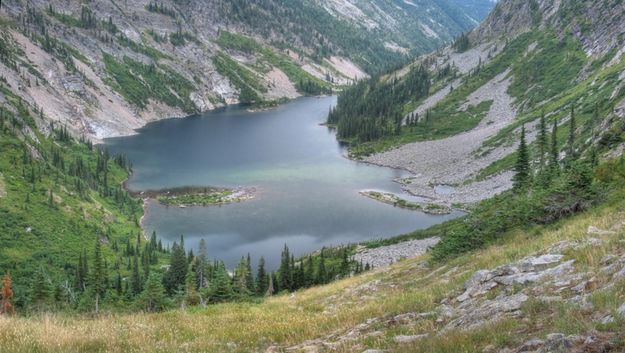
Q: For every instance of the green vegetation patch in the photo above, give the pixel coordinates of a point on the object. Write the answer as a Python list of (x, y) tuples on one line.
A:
[(548, 70), (139, 83), (241, 77), (235, 41), (304, 81), (61, 196)]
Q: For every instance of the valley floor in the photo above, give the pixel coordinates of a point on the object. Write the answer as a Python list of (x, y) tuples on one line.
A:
[(559, 288)]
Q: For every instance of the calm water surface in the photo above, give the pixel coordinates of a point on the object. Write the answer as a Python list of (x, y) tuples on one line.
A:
[(307, 191)]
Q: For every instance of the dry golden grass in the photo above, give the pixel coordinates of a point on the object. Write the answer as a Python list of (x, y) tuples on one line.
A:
[(408, 286)]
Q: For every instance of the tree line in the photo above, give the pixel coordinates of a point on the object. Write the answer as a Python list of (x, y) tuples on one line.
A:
[(373, 109), (187, 280)]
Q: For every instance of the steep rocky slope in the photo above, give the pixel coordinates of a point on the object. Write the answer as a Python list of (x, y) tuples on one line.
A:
[(525, 58), (105, 68)]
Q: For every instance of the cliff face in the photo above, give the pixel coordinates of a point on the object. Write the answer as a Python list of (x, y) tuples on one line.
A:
[(105, 68), (598, 25)]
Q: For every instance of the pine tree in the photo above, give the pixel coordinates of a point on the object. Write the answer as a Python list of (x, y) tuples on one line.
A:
[(249, 277), (98, 280), (261, 278), (153, 297), (571, 140), (135, 277), (221, 287), (80, 280), (542, 139), (192, 297), (239, 281), (40, 294), (344, 270), (285, 269), (202, 265), (176, 275), (118, 284), (309, 273), (522, 167), (153, 243), (292, 286), (299, 278), (555, 154), (270, 289), (274, 286), (6, 295), (322, 274)]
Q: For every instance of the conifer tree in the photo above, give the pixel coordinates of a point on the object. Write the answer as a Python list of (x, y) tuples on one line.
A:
[(221, 287), (202, 265), (249, 277), (285, 269), (261, 278), (153, 242), (275, 283), (270, 288), (542, 139), (135, 277), (176, 275), (40, 294), (153, 297), (292, 285), (192, 296), (98, 280), (522, 167), (300, 276), (81, 275), (309, 273), (555, 154), (570, 155), (6, 295), (344, 270), (322, 274), (118, 284), (240, 279)]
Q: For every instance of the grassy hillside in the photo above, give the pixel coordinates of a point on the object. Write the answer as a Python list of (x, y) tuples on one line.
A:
[(59, 197)]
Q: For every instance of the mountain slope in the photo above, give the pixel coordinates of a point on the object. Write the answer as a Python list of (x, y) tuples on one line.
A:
[(540, 268), (525, 58), (107, 68)]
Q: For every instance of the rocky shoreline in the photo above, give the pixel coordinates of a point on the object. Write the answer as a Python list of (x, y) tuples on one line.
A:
[(387, 255)]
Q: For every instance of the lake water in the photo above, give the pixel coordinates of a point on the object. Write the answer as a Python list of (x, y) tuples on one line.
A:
[(307, 191)]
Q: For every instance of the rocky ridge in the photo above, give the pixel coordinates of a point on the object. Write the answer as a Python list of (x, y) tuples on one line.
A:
[(548, 278)]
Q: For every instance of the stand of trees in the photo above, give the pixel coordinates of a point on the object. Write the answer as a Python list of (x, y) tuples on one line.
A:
[(372, 109)]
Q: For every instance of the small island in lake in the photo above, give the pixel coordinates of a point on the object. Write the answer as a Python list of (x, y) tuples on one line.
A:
[(199, 195), (392, 199)]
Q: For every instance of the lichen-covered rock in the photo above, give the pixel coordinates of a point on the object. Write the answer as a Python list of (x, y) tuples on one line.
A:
[(408, 338)]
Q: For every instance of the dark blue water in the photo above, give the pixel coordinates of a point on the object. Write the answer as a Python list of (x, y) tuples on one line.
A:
[(307, 191)]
